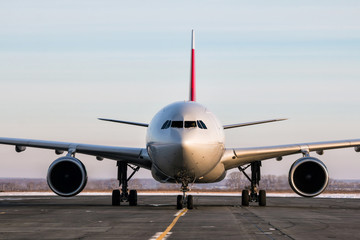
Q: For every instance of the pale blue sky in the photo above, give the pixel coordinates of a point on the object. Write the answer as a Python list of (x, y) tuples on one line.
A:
[(65, 63)]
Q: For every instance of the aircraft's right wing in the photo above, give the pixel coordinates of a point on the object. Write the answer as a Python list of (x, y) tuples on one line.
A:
[(236, 157), (136, 156)]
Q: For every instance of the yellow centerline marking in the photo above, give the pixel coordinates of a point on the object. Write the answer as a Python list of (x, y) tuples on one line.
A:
[(172, 224)]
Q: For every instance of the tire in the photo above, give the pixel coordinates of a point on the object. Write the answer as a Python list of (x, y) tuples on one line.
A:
[(245, 198), (190, 202), (133, 198), (179, 202), (262, 198), (116, 197)]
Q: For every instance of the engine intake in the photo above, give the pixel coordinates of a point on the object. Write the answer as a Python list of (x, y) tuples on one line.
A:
[(308, 177), (67, 176)]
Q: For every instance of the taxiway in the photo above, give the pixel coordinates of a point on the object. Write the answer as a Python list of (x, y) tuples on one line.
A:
[(213, 217)]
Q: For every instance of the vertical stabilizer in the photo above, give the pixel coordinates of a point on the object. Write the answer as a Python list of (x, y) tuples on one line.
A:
[(192, 71)]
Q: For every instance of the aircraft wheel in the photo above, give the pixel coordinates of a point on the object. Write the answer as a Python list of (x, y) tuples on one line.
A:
[(262, 198), (190, 202), (179, 202), (116, 197), (133, 198), (245, 198)]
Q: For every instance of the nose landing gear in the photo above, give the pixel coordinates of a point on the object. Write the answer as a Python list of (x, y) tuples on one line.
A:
[(183, 200)]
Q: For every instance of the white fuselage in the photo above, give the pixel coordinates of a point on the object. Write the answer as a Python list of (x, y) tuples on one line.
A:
[(185, 142)]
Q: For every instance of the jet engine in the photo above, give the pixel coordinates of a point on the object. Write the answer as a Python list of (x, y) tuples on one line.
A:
[(67, 176), (308, 176)]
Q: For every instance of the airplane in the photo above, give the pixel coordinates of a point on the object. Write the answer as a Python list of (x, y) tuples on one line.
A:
[(185, 145)]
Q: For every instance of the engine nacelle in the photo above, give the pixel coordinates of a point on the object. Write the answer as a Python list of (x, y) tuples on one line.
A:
[(308, 177), (67, 176)]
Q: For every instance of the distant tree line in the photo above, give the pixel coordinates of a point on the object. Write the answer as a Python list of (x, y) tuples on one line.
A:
[(235, 181)]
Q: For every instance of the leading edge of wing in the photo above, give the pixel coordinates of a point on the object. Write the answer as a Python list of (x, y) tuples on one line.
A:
[(253, 123), (239, 156), (136, 156)]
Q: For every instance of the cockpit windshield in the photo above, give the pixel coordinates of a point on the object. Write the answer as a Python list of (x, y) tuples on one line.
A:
[(190, 124), (201, 124), (166, 124), (184, 124), (177, 124)]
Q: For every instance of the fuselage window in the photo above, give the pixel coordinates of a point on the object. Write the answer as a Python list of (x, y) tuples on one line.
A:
[(166, 124), (190, 124), (177, 124), (201, 124)]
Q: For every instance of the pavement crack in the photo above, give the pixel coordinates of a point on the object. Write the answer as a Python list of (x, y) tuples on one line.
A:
[(263, 227)]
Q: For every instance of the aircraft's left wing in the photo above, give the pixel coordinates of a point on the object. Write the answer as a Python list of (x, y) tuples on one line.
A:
[(236, 157), (136, 156)]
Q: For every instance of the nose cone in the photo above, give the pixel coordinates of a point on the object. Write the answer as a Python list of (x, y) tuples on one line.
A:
[(187, 156), (180, 152), (187, 150)]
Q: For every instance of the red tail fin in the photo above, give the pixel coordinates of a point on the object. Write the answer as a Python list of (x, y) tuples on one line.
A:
[(192, 74)]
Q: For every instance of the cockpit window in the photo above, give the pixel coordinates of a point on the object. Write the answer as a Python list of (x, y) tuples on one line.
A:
[(186, 124), (166, 124), (201, 124), (190, 124), (177, 124)]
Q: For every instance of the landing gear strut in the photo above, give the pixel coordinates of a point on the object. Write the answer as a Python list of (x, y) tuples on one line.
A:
[(183, 200), (254, 196), (124, 195)]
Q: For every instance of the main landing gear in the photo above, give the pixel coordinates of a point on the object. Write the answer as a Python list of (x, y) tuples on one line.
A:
[(183, 200), (254, 196), (124, 195)]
